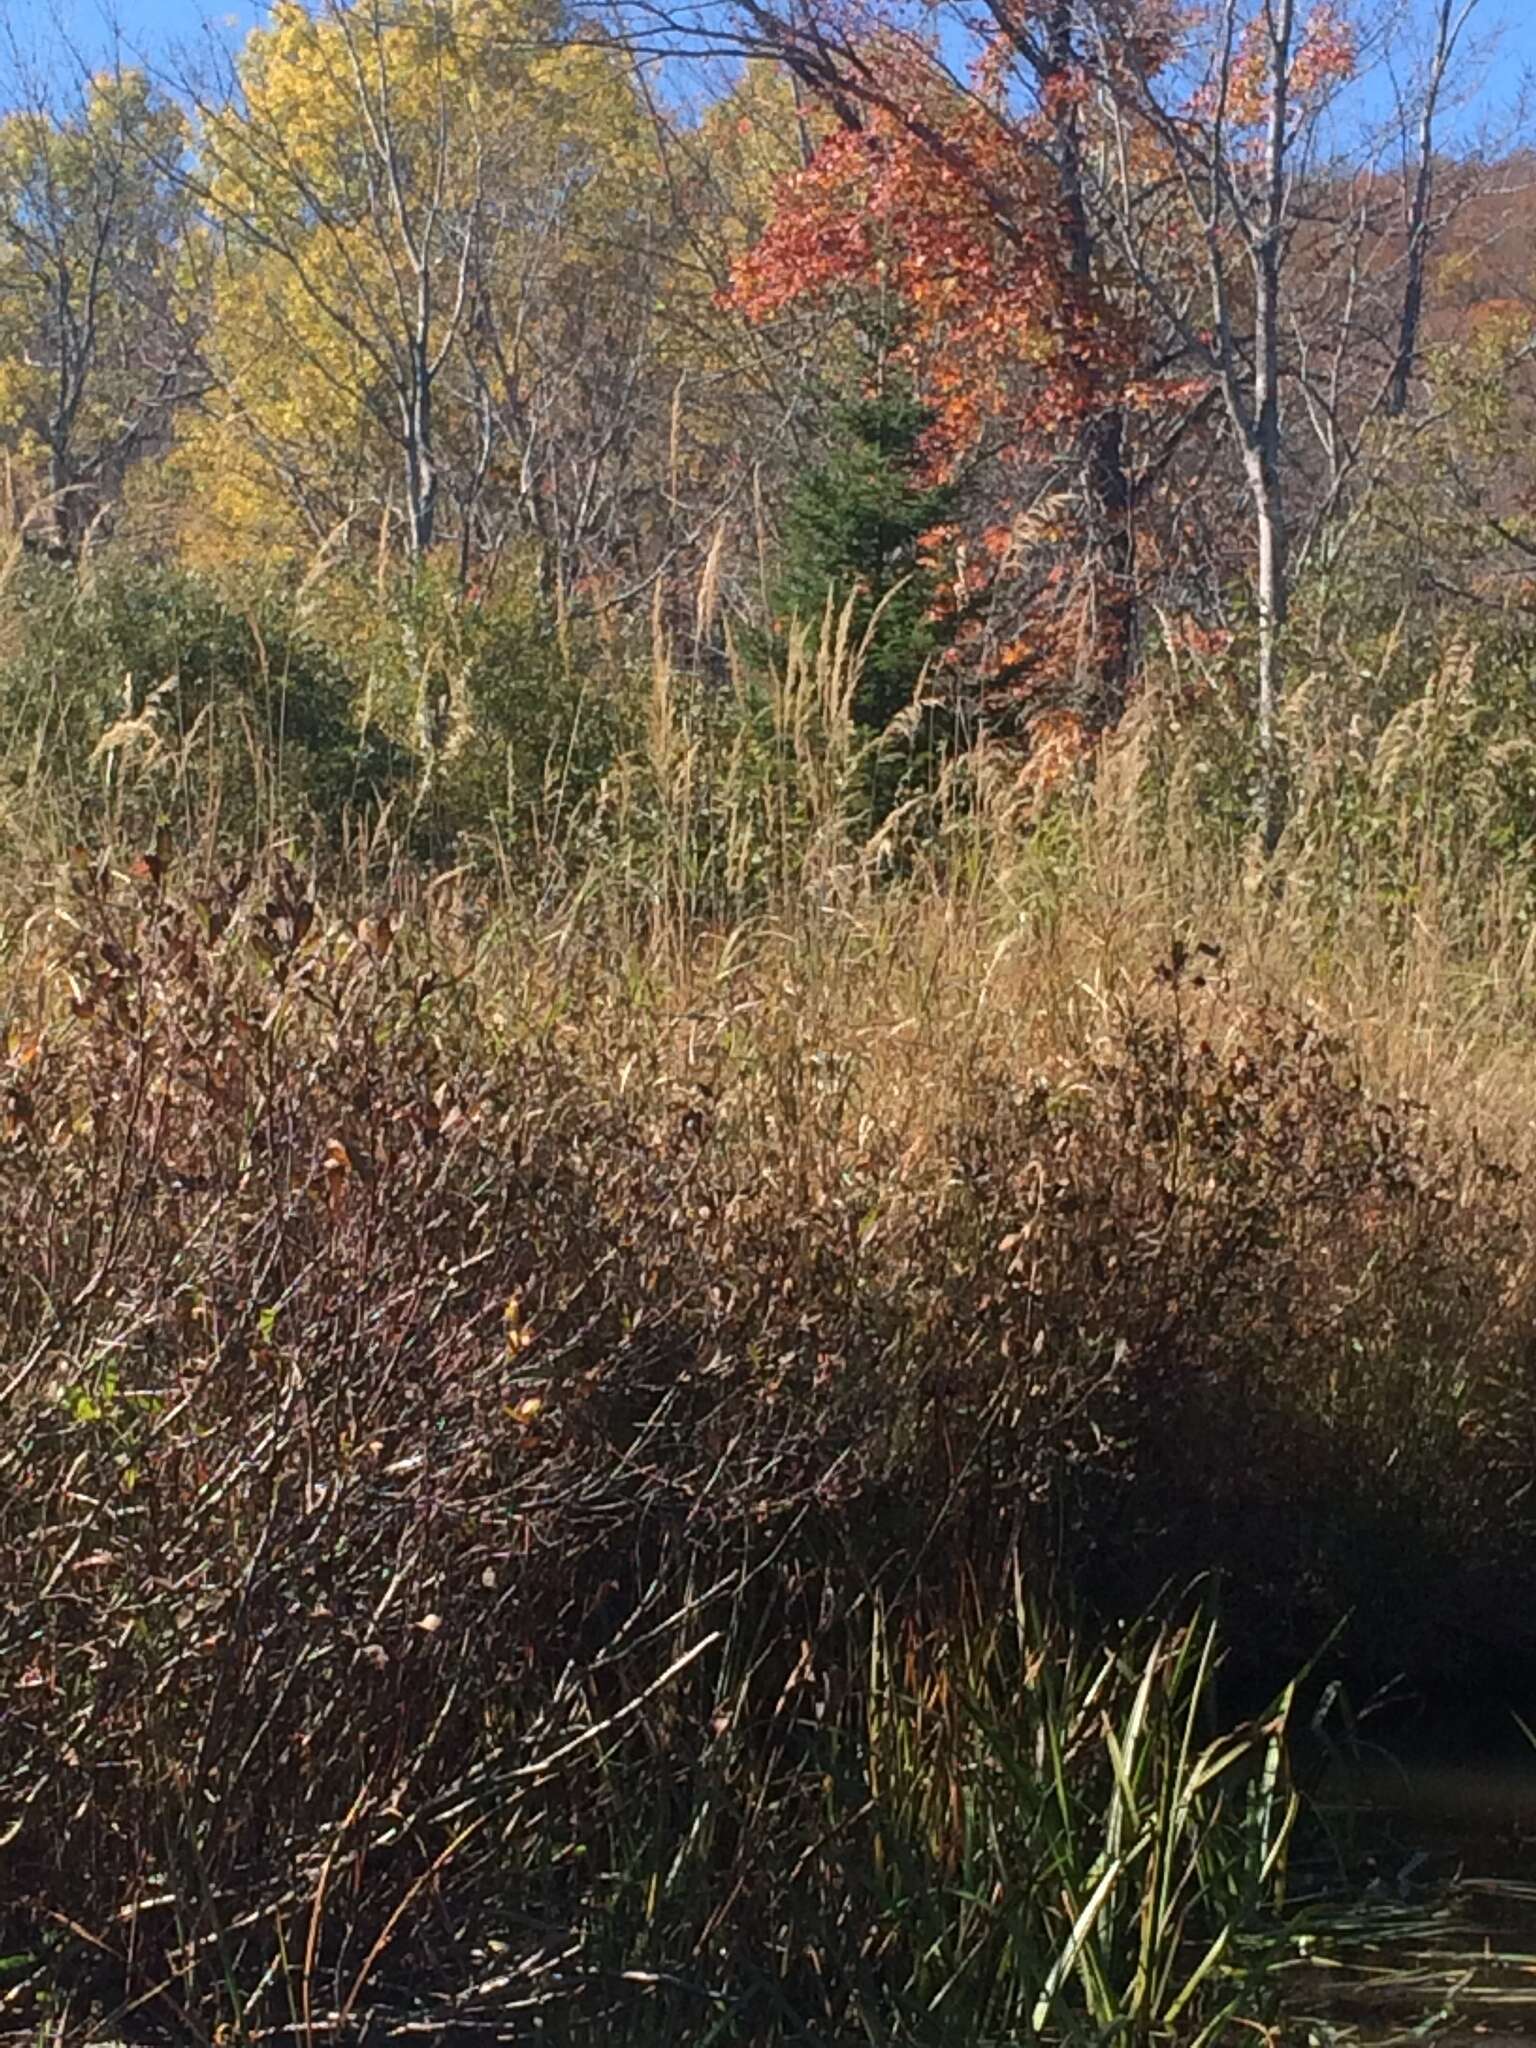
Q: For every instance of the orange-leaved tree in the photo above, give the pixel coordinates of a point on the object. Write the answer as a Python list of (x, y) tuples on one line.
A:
[(957, 203), (1098, 215)]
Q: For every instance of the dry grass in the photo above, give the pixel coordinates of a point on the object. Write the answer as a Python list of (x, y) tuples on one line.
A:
[(539, 1424), (443, 1341)]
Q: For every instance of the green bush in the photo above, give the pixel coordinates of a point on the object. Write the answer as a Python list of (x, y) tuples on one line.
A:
[(130, 688), (512, 717)]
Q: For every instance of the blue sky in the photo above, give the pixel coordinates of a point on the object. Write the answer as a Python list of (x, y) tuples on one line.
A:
[(1502, 47)]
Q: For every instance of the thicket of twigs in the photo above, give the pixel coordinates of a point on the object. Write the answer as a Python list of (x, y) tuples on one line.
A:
[(542, 1451), (586, 1383)]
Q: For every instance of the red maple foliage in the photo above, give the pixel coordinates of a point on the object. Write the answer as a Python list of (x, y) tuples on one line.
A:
[(964, 204), (944, 202), (997, 331)]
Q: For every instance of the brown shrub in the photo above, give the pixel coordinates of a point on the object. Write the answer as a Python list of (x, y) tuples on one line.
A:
[(387, 1374)]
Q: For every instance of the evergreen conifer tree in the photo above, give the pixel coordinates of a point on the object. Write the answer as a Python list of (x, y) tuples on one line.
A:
[(851, 530)]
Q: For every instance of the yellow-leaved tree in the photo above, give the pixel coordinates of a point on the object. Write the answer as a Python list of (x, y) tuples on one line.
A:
[(424, 220)]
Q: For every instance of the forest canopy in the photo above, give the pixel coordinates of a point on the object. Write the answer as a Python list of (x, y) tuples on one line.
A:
[(1052, 335)]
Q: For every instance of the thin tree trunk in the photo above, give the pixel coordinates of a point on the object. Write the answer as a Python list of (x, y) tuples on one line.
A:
[(1111, 554), (421, 480), (63, 504), (1262, 458), (1112, 560), (1447, 33), (1274, 604)]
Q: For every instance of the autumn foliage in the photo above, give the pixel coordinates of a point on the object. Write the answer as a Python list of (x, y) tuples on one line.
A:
[(947, 215), (1005, 343), (958, 205), (453, 295)]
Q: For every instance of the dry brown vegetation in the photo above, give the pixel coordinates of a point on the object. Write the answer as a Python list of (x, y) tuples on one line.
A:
[(482, 1384), (765, 1060)]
